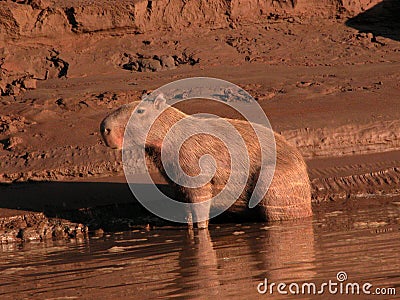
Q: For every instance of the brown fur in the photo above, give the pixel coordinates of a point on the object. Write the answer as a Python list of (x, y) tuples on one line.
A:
[(288, 197)]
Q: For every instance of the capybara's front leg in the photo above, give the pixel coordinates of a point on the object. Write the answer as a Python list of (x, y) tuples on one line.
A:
[(201, 213), (201, 209), (189, 219)]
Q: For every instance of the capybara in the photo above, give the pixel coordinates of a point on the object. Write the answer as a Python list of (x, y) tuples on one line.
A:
[(289, 193)]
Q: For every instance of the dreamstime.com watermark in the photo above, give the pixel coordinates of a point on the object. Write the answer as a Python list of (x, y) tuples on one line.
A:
[(340, 286)]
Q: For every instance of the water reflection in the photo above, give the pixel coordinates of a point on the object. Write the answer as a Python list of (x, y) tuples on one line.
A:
[(198, 266), (228, 261)]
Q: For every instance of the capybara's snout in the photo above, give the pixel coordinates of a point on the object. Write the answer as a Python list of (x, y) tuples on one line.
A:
[(111, 136), (112, 128)]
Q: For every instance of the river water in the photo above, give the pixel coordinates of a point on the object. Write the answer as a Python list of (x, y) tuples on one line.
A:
[(359, 242)]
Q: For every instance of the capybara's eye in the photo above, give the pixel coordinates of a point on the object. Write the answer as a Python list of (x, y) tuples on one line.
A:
[(104, 129), (140, 111)]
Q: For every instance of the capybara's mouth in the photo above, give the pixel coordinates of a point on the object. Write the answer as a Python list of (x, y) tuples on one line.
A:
[(111, 145), (104, 141)]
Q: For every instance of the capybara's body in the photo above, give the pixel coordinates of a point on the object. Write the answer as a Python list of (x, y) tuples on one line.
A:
[(289, 193)]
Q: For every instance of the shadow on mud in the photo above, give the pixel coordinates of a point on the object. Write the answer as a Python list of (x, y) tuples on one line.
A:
[(381, 20), (107, 205)]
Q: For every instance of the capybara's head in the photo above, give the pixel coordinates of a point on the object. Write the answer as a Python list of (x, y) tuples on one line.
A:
[(112, 128), (149, 120)]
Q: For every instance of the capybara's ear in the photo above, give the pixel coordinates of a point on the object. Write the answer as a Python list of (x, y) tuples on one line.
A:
[(159, 101)]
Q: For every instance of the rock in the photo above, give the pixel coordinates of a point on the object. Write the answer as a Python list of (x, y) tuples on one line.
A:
[(167, 62), (59, 232), (36, 4), (145, 63), (44, 231), (9, 236), (11, 142), (10, 124), (75, 231), (81, 230), (3, 87), (188, 58), (370, 36), (12, 89), (98, 232), (39, 4), (131, 66), (29, 234), (29, 83), (79, 235), (149, 65), (57, 64)]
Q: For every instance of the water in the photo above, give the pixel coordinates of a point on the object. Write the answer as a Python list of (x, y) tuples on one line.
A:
[(228, 261)]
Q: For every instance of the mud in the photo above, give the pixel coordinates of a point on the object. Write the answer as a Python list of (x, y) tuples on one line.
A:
[(27, 226)]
